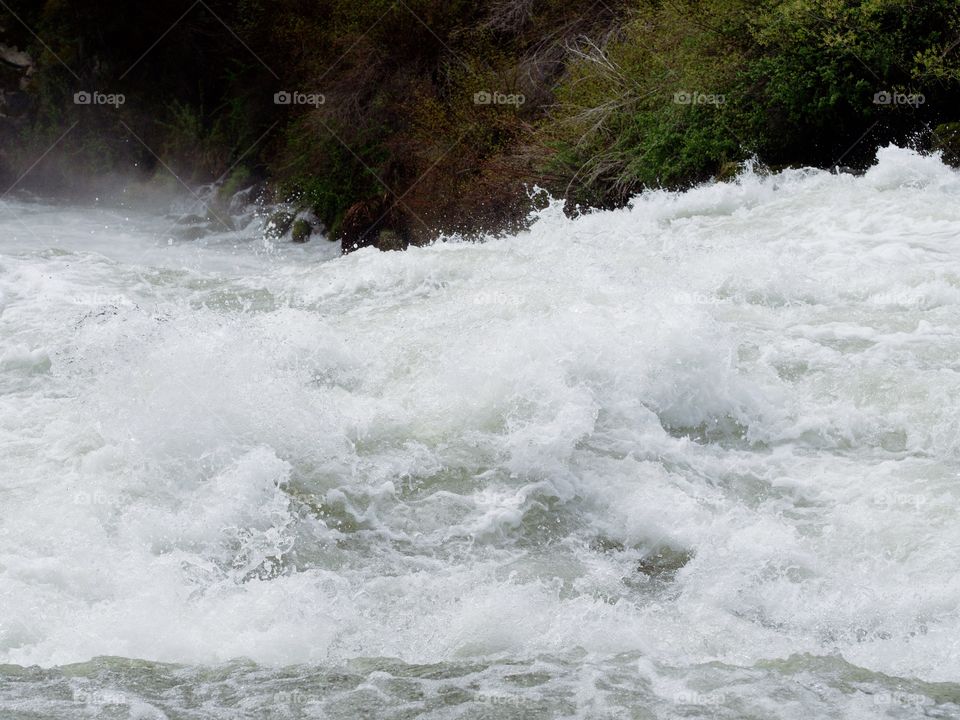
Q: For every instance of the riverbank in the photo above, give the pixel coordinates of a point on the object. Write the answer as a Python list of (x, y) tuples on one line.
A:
[(386, 123)]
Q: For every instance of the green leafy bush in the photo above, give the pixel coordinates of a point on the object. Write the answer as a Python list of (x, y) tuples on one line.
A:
[(797, 78), (618, 96)]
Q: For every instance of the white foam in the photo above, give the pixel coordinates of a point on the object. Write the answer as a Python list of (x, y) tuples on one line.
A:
[(468, 449)]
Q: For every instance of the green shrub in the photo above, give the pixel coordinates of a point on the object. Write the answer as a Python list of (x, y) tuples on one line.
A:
[(798, 78), (790, 81)]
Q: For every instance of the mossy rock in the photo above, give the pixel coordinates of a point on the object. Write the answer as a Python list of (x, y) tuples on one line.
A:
[(946, 139), (390, 240), (301, 231), (278, 224), (238, 179)]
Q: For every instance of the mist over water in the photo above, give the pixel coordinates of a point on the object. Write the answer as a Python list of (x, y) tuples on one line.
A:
[(694, 458)]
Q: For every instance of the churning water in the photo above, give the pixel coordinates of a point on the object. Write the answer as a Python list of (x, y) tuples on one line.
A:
[(694, 458)]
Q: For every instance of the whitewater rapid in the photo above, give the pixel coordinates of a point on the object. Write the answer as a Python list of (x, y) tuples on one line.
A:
[(697, 457)]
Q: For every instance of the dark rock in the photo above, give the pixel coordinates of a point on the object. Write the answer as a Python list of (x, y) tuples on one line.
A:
[(278, 224), (234, 193), (389, 240), (301, 231), (664, 562), (192, 232), (191, 220), (378, 223)]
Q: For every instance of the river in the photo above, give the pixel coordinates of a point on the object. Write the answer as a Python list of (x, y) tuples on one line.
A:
[(695, 458)]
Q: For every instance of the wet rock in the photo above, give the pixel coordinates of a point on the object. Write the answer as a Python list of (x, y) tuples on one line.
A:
[(192, 232), (664, 563), (301, 231), (355, 229), (389, 240), (238, 180), (195, 226), (191, 220), (378, 223), (279, 224)]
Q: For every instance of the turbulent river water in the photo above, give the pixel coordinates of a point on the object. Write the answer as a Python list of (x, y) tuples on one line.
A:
[(696, 458)]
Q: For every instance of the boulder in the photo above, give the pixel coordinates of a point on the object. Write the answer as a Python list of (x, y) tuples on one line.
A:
[(389, 240), (278, 224), (301, 231), (377, 222)]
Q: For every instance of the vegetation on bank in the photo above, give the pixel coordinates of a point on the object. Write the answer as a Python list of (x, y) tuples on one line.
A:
[(392, 121)]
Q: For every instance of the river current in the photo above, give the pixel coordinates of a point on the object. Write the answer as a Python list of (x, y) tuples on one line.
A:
[(695, 458)]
